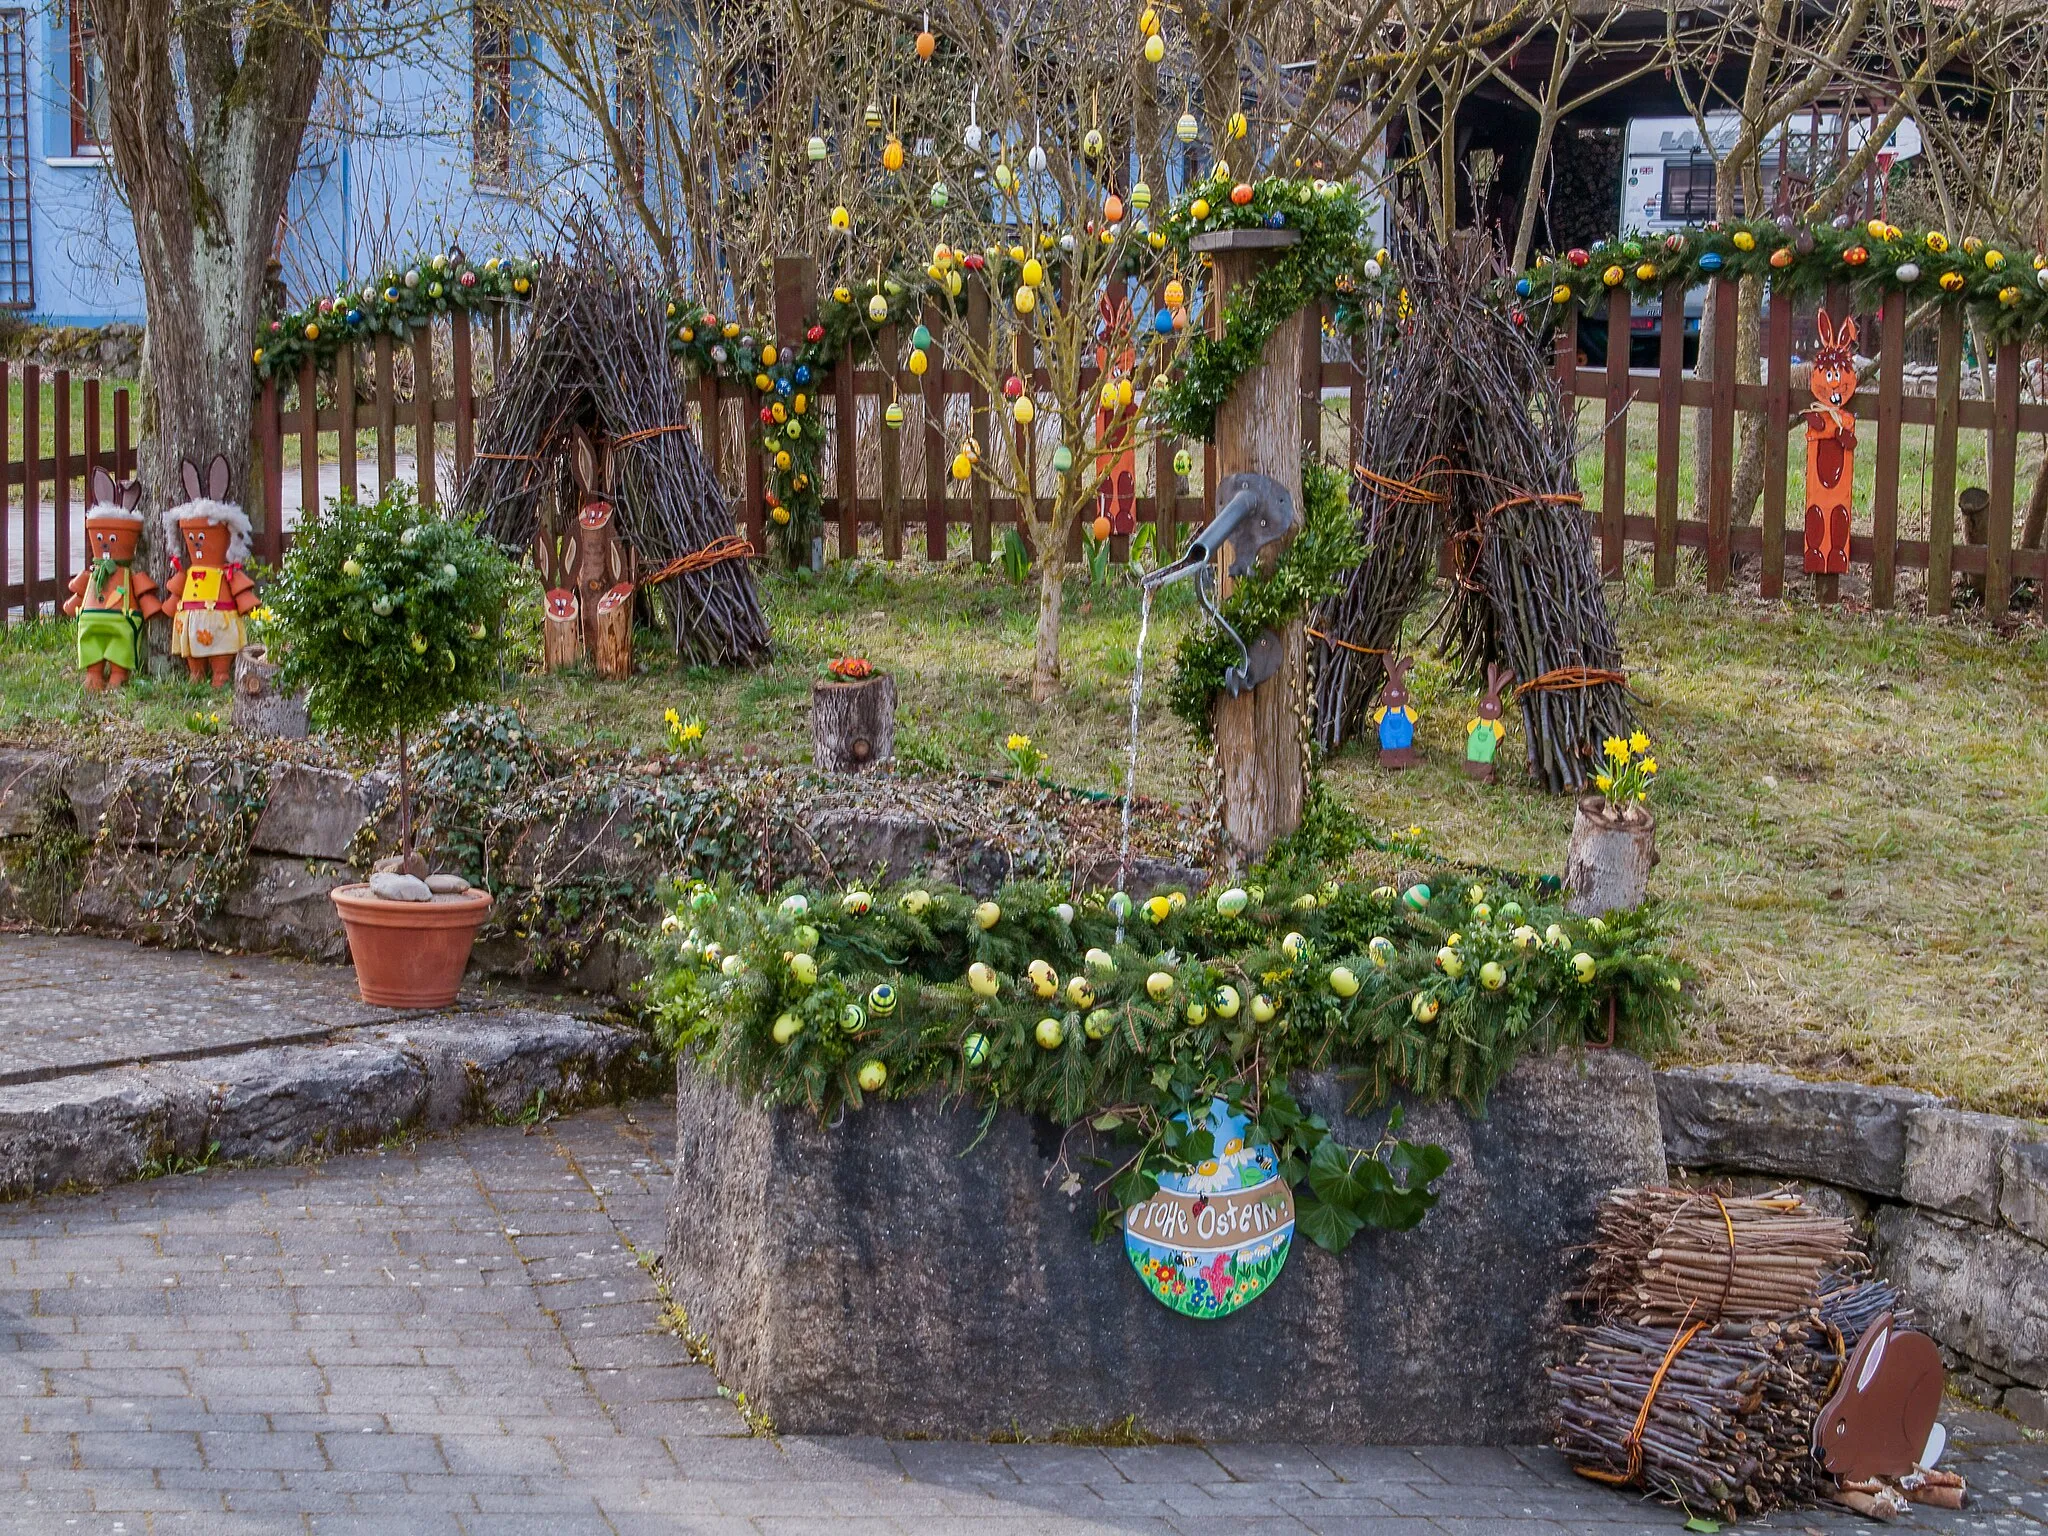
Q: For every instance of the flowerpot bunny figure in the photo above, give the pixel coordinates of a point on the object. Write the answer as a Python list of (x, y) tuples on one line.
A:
[(603, 564), (1396, 721), (210, 592), (110, 597), (1830, 454), (1484, 731)]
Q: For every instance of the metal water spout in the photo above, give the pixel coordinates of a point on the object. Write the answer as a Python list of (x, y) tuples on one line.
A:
[(1254, 511)]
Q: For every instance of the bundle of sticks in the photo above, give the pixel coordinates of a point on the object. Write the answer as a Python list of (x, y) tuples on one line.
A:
[(1667, 1255), (1715, 1415)]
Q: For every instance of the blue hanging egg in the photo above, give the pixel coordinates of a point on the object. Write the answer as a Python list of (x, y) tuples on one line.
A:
[(355, 317), (782, 385), (1276, 221), (1522, 287), (1163, 322), (803, 373), (1710, 261)]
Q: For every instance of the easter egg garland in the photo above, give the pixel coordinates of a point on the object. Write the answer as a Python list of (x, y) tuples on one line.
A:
[(1204, 1004)]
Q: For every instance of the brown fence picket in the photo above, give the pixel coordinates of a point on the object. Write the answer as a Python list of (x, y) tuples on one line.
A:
[(461, 368), (1884, 498), (423, 445), (93, 457), (309, 441), (31, 490), (978, 420), (886, 357), (345, 423), (387, 413), (2003, 450), (124, 447), (270, 451), (1614, 471), (1670, 428), (6, 507), (935, 439), (60, 478), (1722, 294), (846, 424), (1777, 441), (1941, 511)]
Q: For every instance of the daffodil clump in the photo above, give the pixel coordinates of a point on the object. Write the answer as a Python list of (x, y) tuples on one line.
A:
[(1026, 761), (1089, 1006), (686, 736), (1628, 769)]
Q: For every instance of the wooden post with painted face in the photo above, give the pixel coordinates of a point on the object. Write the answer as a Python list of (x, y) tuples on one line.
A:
[(605, 571), (1830, 456)]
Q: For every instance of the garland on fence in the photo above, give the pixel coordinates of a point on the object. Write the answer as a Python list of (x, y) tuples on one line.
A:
[(2005, 286), (1312, 567), (390, 305), (1088, 1008)]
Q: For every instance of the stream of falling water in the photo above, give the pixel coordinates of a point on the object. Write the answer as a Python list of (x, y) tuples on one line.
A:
[(1123, 858)]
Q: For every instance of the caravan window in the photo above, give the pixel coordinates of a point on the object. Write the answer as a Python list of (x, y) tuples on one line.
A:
[(1688, 190)]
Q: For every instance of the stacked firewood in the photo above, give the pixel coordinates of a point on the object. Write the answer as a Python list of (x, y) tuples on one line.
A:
[(1666, 1255), (1727, 1323)]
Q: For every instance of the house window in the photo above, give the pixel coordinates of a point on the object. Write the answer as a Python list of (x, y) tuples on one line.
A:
[(502, 65), (88, 87)]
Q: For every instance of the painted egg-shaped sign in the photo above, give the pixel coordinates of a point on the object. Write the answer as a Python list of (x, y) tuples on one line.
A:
[(1213, 1238)]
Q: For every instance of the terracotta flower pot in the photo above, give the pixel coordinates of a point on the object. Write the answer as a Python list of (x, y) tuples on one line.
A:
[(410, 954)]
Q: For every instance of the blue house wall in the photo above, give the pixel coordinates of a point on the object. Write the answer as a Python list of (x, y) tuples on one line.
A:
[(397, 178)]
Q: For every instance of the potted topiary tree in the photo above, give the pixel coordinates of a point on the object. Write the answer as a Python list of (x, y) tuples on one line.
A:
[(388, 616)]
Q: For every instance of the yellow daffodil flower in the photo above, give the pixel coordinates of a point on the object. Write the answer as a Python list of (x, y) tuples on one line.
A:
[(1615, 748), (1639, 743)]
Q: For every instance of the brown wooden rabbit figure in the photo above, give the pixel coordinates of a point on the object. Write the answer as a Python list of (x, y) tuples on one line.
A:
[(1484, 731), (1830, 454), (210, 592), (561, 632), (605, 570), (1393, 716), (111, 597), (1881, 1420)]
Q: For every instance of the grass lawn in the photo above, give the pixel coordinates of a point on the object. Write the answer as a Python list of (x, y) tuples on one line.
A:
[(1853, 813)]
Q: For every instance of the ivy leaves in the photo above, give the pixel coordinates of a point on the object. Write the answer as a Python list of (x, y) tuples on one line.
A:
[(1350, 1188)]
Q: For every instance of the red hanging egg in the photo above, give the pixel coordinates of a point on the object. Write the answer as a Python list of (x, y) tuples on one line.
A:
[(815, 333), (1577, 256)]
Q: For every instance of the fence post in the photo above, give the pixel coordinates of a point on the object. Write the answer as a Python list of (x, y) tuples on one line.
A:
[(92, 458), (1614, 471), (1721, 473), (309, 447), (1670, 430), (2004, 446), (892, 474), (1777, 427), (31, 490), (345, 419), (1312, 377), (387, 414), (124, 447), (60, 478), (846, 425), (460, 365), (1884, 495), (423, 413), (270, 449), (6, 513), (1941, 512)]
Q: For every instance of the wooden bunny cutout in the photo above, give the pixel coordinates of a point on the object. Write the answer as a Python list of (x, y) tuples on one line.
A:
[(1830, 453), (604, 568), (561, 634), (1880, 1422), (1393, 716), (1484, 731), (110, 597)]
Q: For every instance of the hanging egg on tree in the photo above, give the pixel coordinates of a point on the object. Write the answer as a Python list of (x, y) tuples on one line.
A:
[(892, 155), (918, 361), (1183, 463), (927, 43), (878, 309), (1091, 143), (1113, 210), (1036, 159), (1155, 48), (873, 116), (1237, 127), (892, 417), (816, 149), (1062, 459), (1186, 129), (1026, 301), (841, 219), (963, 466), (1006, 178), (1141, 196), (1023, 410), (939, 195)]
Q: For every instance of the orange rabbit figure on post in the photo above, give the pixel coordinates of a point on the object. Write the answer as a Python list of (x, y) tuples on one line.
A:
[(1830, 455)]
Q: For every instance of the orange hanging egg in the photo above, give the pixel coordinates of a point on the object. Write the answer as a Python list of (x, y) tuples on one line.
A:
[(1113, 209), (1100, 528), (927, 45), (1241, 193), (892, 155)]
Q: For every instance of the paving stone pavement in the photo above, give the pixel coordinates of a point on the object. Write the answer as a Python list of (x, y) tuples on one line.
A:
[(71, 1004), (458, 1337)]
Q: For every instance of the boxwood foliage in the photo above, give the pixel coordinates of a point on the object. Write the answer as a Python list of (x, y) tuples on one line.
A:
[(388, 614), (1435, 991)]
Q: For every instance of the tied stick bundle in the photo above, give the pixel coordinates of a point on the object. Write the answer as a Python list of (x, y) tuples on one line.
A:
[(595, 355), (1667, 1255), (1724, 1420)]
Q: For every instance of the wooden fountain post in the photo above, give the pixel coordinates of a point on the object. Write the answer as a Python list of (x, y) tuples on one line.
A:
[(1261, 743)]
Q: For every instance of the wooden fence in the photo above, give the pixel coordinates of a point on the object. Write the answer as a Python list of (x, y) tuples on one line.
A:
[(40, 548), (888, 493)]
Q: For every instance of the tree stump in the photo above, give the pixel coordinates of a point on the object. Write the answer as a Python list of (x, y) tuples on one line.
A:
[(853, 725), (1607, 867), (612, 627), (260, 707), (1261, 751), (561, 632)]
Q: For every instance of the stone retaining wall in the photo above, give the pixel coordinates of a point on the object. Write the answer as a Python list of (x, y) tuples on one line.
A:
[(318, 826), (1956, 1203)]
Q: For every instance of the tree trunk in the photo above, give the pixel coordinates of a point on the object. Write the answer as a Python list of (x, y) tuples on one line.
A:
[(1045, 658), (1607, 868), (205, 201), (853, 725), (1749, 458)]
